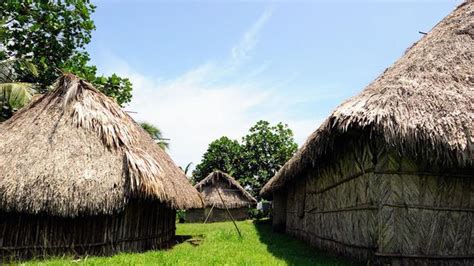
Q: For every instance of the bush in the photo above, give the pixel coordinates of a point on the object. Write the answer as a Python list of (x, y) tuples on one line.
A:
[(263, 210), (256, 214), (181, 216)]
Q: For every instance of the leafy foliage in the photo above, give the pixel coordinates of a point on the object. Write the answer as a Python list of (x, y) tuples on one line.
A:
[(256, 214), (47, 32), (14, 94), (181, 216), (53, 35), (222, 154), (155, 134), (253, 161), (265, 149)]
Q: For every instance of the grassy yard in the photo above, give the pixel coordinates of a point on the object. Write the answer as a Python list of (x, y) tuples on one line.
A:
[(218, 244)]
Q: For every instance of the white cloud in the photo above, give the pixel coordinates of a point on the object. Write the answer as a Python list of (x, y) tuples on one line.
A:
[(242, 50), (211, 100)]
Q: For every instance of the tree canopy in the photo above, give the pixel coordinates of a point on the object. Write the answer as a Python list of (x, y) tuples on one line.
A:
[(53, 35), (222, 154), (264, 151), (254, 160)]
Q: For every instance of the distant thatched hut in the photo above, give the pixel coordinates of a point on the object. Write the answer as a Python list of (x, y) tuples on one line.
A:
[(234, 195), (389, 176), (78, 175)]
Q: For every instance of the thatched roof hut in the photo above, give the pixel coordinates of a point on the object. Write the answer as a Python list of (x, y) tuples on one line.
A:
[(406, 140), (234, 197), (233, 194), (73, 154)]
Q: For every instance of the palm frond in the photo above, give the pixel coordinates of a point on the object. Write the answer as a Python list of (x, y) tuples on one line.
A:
[(16, 94), (13, 68), (156, 134), (163, 144), (187, 168)]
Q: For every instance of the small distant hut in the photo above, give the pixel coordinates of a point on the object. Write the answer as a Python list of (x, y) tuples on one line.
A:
[(234, 197), (389, 176), (78, 175)]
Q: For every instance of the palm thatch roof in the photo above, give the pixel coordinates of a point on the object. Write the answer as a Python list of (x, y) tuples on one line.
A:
[(423, 105), (73, 151), (233, 194)]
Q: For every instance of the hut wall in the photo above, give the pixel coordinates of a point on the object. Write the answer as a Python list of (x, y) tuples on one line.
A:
[(141, 226), (279, 211), (426, 213), (335, 209), (217, 215), (195, 216), (220, 215), (385, 209)]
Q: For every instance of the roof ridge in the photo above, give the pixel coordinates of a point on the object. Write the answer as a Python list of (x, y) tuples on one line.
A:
[(220, 174)]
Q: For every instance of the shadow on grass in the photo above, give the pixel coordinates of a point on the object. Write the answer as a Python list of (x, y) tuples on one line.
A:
[(292, 250), (195, 240)]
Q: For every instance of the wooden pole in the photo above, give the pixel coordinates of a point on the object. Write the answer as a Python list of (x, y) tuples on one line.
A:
[(228, 212), (209, 214)]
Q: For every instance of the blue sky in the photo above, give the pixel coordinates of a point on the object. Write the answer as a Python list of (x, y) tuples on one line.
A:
[(204, 69)]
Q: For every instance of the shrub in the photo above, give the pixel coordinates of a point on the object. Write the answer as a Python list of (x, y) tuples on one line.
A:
[(181, 216), (256, 214)]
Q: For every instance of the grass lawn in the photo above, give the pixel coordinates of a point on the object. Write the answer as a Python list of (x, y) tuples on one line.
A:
[(219, 245)]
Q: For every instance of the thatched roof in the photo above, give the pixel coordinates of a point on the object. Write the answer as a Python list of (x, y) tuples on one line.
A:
[(423, 105), (233, 194), (73, 151)]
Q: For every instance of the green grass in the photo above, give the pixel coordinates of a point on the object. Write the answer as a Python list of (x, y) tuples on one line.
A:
[(220, 245)]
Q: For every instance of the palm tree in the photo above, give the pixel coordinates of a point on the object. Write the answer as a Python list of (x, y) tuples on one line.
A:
[(186, 171), (13, 93), (156, 134), (187, 168)]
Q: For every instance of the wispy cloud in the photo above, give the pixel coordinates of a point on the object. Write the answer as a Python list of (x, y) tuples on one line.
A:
[(241, 51), (212, 99)]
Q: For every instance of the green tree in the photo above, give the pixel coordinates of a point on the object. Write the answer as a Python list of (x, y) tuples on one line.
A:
[(47, 32), (53, 34), (222, 154), (265, 149), (260, 155), (155, 134)]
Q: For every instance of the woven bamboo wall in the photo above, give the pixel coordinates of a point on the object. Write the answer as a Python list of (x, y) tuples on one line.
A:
[(430, 212), (218, 215), (141, 226), (384, 209)]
